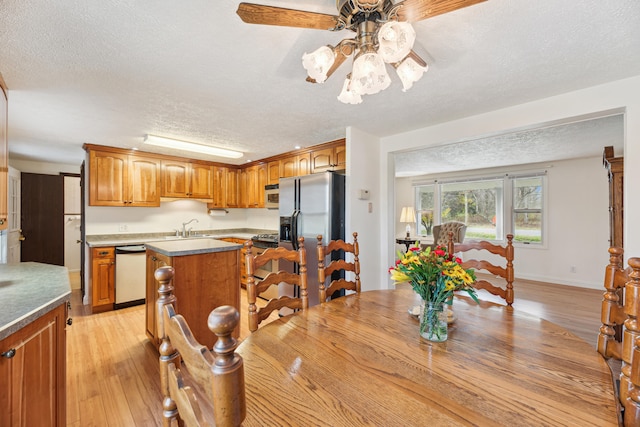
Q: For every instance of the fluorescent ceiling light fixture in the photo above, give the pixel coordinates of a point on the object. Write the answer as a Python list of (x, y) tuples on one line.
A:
[(195, 147)]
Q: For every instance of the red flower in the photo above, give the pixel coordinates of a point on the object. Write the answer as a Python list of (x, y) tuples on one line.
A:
[(458, 260), (398, 261), (439, 252), (415, 249)]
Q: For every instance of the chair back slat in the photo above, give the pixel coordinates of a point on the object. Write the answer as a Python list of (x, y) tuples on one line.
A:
[(336, 249), (297, 281), (506, 272)]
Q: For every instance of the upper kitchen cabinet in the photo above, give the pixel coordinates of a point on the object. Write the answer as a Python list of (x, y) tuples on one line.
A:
[(297, 165), (187, 180), (273, 172), (119, 179), (219, 188), (256, 180), (233, 194), (329, 159), (4, 161)]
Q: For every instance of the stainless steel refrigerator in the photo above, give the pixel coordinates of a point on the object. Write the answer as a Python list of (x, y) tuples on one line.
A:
[(310, 205)]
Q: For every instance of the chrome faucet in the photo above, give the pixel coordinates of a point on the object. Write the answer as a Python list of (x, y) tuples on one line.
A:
[(184, 226)]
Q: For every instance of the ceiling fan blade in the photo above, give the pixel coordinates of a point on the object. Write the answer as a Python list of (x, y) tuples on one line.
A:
[(417, 10), (270, 15)]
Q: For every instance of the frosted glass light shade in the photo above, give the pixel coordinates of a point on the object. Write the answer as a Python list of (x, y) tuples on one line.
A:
[(409, 72), (318, 63), (347, 96), (396, 40), (369, 75)]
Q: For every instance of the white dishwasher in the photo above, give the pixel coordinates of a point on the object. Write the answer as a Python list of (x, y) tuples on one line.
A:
[(131, 274)]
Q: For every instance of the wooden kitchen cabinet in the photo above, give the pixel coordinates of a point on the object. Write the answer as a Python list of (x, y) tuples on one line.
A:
[(201, 283), (273, 172), (187, 180), (219, 188), (4, 157), (103, 279), (33, 378), (118, 179), (297, 165), (255, 180), (329, 159), (233, 184)]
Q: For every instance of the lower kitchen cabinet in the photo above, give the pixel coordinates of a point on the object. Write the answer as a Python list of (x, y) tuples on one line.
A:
[(201, 283), (103, 279), (33, 372)]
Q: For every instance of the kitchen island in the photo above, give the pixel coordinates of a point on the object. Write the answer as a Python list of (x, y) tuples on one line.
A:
[(207, 275), (33, 344)]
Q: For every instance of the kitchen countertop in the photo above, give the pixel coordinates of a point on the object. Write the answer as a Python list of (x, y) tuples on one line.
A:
[(103, 240), (182, 247), (29, 290)]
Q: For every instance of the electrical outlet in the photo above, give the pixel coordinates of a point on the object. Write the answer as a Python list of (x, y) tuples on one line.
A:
[(370, 207), (122, 227)]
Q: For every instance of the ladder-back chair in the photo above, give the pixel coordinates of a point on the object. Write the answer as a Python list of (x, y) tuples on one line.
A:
[(338, 264), (200, 387), (254, 288), (505, 272)]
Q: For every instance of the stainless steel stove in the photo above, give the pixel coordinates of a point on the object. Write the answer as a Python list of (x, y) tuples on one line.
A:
[(265, 240)]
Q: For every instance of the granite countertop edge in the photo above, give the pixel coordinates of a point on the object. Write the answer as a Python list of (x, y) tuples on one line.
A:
[(24, 310), (105, 240), (192, 247)]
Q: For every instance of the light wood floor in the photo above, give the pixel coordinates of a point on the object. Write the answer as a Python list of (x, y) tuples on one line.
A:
[(112, 369)]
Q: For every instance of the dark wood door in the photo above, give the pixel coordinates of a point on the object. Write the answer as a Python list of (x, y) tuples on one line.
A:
[(42, 218)]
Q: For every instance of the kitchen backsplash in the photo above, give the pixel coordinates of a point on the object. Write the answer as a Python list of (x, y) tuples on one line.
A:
[(171, 215)]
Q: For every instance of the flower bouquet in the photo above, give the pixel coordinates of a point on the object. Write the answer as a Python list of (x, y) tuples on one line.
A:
[(434, 275)]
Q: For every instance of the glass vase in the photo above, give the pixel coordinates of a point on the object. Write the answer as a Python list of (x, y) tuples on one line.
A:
[(433, 321)]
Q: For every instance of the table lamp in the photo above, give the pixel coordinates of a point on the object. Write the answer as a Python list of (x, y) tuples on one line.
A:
[(408, 215)]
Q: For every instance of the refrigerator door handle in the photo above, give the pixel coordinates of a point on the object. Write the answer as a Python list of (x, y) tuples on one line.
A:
[(294, 229)]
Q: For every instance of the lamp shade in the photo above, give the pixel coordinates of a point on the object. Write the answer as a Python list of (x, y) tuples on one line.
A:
[(347, 96), (408, 214), (409, 72), (395, 40), (318, 63), (369, 74)]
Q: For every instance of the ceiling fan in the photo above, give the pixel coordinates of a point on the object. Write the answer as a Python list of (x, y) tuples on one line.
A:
[(383, 35)]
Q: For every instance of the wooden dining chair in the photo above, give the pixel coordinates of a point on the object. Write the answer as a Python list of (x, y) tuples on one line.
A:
[(630, 399), (199, 386), (337, 268), (505, 272), (294, 280)]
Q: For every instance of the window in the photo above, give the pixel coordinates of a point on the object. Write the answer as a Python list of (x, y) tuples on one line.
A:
[(425, 207), (491, 207), (527, 209)]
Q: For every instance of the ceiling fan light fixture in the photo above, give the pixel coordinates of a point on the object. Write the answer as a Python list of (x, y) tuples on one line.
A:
[(395, 40), (195, 147), (369, 75), (347, 96), (409, 72), (318, 63)]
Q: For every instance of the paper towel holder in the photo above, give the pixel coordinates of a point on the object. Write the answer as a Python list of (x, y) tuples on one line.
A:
[(218, 212)]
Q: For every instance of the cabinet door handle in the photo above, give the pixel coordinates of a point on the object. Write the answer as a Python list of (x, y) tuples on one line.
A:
[(69, 321), (103, 253), (9, 353), (154, 259)]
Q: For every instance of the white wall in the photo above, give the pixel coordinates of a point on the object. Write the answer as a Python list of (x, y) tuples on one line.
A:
[(620, 95), (43, 167), (576, 204), (363, 174)]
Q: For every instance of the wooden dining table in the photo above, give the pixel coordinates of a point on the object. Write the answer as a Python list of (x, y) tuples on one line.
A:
[(360, 360)]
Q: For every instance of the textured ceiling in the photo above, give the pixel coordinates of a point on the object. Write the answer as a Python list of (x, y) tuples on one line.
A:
[(108, 72)]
